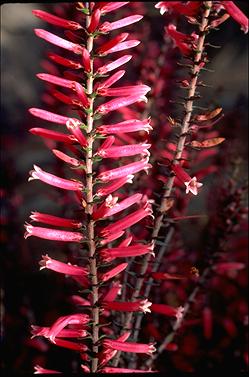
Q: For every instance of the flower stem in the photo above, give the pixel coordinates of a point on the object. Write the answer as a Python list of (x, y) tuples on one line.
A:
[(89, 210), (178, 154)]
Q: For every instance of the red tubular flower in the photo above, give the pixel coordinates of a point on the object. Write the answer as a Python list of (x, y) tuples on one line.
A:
[(95, 17), (81, 94), (70, 345), (189, 8), (130, 125), (111, 237), (51, 117), (57, 41), (58, 21), (66, 99), (129, 347), (106, 47), (53, 180), (135, 306), (125, 170), (62, 322), (182, 41), (224, 267), (236, 14), (191, 183), (100, 212), (115, 185), (56, 80), (108, 26), (64, 268), (86, 59), (54, 220), (41, 370), (53, 135), (124, 252), (127, 221), (52, 234), (113, 272), (113, 292), (167, 310), (65, 333), (64, 157), (73, 127), (107, 354), (124, 370), (113, 65), (124, 150), (134, 90), (110, 81), (63, 61)]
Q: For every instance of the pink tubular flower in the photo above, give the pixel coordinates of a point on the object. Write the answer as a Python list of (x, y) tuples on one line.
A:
[(57, 41), (52, 234), (129, 347), (56, 80), (64, 268), (100, 212), (62, 322), (107, 354), (63, 61), (95, 17), (110, 81), (113, 65), (115, 185), (130, 125), (126, 203), (191, 183), (65, 333), (41, 370), (113, 272), (64, 157), (55, 220), (134, 90), (107, 7), (135, 306), (124, 370), (53, 135), (51, 117), (236, 14), (73, 127), (124, 150), (116, 104), (53, 180), (124, 45), (128, 220), (124, 252), (108, 26), (124, 171), (58, 21), (106, 47)]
